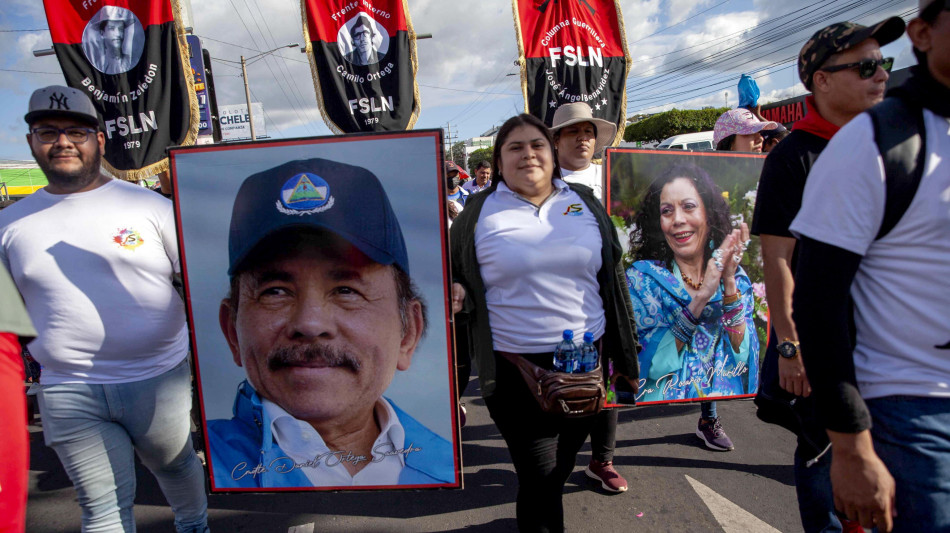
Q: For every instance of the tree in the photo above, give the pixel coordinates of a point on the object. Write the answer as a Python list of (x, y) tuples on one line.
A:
[(673, 122), (458, 154), (476, 157)]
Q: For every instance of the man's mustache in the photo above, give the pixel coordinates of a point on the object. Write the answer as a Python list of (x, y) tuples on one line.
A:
[(287, 356)]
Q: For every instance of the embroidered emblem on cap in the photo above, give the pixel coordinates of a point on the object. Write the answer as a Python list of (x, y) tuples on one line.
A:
[(304, 194)]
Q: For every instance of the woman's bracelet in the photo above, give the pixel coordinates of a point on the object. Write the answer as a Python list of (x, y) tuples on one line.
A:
[(684, 325), (726, 300), (733, 317)]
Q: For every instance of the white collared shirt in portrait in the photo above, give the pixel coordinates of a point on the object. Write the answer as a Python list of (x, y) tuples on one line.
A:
[(323, 467)]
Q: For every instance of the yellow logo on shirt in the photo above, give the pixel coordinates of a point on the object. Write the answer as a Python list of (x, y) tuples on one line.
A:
[(574, 210)]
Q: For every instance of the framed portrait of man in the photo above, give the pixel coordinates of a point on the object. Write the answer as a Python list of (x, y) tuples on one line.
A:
[(317, 290), (696, 288)]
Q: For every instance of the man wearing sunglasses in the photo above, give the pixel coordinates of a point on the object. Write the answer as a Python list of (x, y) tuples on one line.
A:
[(843, 67), (885, 399), (94, 259)]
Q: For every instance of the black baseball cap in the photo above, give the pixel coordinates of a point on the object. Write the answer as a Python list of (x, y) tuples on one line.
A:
[(839, 37), (346, 200), (59, 101)]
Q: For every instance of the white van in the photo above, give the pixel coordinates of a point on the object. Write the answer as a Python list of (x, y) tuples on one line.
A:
[(689, 141)]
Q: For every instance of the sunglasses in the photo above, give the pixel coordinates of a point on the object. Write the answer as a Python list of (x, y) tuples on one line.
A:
[(867, 68)]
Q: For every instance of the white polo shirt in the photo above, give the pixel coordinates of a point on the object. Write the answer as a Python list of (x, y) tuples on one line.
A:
[(540, 269), (303, 444)]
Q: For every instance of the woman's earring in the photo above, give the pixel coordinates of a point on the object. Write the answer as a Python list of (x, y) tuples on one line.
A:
[(711, 245)]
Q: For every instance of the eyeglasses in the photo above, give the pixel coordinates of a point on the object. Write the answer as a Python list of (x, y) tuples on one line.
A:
[(49, 135), (867, 68)]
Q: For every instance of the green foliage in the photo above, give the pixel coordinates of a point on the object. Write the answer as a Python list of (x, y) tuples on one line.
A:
[(476, 157), (458, 154), (672, 122)]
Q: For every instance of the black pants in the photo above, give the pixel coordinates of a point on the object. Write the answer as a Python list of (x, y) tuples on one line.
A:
[(603, 435), (543, 447)]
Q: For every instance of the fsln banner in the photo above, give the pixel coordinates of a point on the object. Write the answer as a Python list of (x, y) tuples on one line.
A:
[(131, 58), (573, 51), (363, 59)]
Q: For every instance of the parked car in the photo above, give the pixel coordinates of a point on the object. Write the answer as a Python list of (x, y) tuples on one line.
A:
[(702, 140)]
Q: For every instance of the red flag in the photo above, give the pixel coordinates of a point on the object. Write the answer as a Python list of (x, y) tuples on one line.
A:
[(363, 58), (129, 57), (573, 51)]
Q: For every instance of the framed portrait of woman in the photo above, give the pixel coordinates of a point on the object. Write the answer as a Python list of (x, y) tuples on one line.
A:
[(693, 272)]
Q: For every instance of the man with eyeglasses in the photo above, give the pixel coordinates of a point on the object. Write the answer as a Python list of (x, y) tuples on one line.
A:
[(843, 67), (94, 259), (879, 233), (364, 49)]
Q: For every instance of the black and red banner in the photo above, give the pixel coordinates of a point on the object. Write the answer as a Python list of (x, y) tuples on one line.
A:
[(128, 56), (572, 51), (363, 58)]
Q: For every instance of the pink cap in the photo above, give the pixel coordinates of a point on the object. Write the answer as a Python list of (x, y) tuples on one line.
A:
[(739, 122)]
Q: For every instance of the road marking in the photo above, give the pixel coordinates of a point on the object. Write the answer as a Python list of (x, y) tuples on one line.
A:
[(731, 517), (305, 528)]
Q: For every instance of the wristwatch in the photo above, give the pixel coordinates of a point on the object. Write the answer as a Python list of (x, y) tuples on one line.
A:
[(788, 348)]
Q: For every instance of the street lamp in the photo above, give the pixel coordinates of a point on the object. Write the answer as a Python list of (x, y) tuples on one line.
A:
[(247, 89)]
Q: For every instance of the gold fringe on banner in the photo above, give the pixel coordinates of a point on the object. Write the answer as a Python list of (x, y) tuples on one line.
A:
[(413, 59), (622, 125), (522, 56), (192, 134)]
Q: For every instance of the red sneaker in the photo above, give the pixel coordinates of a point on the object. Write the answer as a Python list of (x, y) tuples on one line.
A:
[(609, 479)]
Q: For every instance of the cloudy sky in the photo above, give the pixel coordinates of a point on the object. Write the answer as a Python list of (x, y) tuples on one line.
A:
[(686, 54)]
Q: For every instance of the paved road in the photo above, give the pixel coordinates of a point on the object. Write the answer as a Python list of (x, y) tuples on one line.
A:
[(676, 483)]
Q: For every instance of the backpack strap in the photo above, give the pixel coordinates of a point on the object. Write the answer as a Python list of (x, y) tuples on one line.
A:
[(899, 132)]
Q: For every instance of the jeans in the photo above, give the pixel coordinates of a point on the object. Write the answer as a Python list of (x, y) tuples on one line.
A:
[(543, 447), (603, 436), (708, 410), (816, 504), (912, 436), (94, 428)]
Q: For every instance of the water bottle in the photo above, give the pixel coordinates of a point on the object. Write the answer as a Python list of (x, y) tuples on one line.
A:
[(588, 354), (565, 354)]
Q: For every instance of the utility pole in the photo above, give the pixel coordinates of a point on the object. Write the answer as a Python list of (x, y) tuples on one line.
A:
[(449, 141), (247, 95)]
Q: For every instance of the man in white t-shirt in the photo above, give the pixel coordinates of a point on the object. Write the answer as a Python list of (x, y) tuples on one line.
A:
[(94, 259), (579, 136), (885, 399)]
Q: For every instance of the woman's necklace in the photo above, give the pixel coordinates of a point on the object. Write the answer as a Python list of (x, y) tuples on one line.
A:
[(689, 281)]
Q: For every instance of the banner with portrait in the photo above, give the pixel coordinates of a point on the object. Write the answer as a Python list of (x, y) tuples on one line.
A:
[(676, 209), (131, 58), (573, 51), (363, 60), (317, 287)]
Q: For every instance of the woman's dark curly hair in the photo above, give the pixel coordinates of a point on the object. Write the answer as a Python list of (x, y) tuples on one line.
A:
[(648, 241), (523, 119)]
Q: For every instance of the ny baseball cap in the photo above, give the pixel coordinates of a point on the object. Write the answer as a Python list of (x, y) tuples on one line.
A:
[(739, 122), (839, 37), (60, 101), (346, 200)]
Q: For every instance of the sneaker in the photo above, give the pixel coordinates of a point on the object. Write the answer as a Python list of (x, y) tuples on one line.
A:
[(609, 479), (849, 526), (713, 435)]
